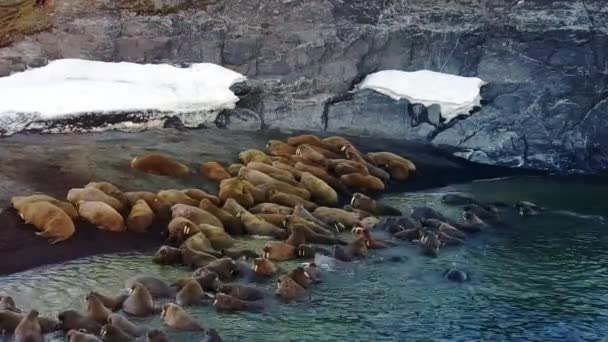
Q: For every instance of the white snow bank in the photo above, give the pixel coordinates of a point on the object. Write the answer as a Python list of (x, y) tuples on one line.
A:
[(70, 87), (455, 95)]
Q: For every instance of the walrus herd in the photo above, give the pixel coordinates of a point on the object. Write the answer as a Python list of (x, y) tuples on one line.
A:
[(290, 195)]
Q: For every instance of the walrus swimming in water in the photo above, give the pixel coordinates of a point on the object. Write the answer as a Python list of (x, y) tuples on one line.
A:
[(110, 190), (140, 301), (271, 171), (191, 293), (71, 319), (214, 171), (300, 276), (335, 143), (207, 279), (9, 320), (270, 208), (370, 242), (357, 248), (264, 267), (79, 336), (159, 164), (75, 196), (199, 195), (19, 201), (226, 302), (313, 271), (7, 303), (140, 218), (123, 323), (311, 154), (102, 216), (353, 154), (241, 292), (175, 317), (232, 225), (279, 251), (289, 290), (156, 335), (472, 223), (444, 227), (157, 288), (339, 218), (96, 310), (110, 333), (29, 329), (287, 167), (429, 244), (225, 268), (362, 202), (51, 220), (409, 234)]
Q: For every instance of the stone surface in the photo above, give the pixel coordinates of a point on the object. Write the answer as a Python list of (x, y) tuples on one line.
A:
[(546, 63)]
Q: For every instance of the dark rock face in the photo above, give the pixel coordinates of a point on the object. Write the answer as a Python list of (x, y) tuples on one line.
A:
[(546, 64)]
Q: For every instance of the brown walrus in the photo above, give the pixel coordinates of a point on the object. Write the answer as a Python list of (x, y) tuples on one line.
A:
[(195, 214), (123, 323), (320, 191), (356, 248), (336, 217), (277, 148), (79, 336), (161, 207), (234, 189), (110, 190), (29, 329), (101, 215), (383, 158), (291, 220), (289, 200), (312, 155), (335, 143), (51, 220), (19, 201), (75, 196), (279, 251), (174, 197), (301, 234), (362, 202), (7, 303), (241, 292), (159, 164), (140, 218), (226, 302), (289, 290), (199, 195), (139, 302), (71, 319), (96, 310), (110, 333), (304, 139), (270, 170), (253, 155), (264, 267), (180, 229), (176, 318), (232, 225), (9, 320), (233, 169), (191, 293), (257, 226), (225, 268), (270, 208), (214, 171), (300, 276)]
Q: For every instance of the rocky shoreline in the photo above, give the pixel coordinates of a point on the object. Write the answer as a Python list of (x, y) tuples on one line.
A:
[(55, 163)]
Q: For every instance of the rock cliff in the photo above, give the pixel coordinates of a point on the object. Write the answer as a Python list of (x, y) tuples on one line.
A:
[(546, 63)]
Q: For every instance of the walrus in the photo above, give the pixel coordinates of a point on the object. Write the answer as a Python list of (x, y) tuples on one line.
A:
[(140, 218), (362, 213), (270, 208), (449, 240), (213, 171), (29, 329), (191, 293), (409, 234), (194, 258), (423, 213), (328, 153), (299, 191), (301, 212), (335, 143), (260, 179), (309, 251), (301, 234), (444, 228), (313, 271), (157, 287), (300, 276), (257, 226), (253, 155), (167, 255), (472, 223), (139, 302), (201, 243), (232, 225), (9, 320), (110, 190), (320, 191), (289, 290), (96, 310), (312, 155), (174, 197), (256, 193), (488, 213), (75, 196), (352, 153), (384, 158), (102, 216), (180, 229), (357, 248), (271, 171), (276, 219), (239, 253), (362, 182), (7, 303), (277, 148), (207, 279), (73, 320), (290, 220), (225, 268), (339, 218), (304, 139), (123, 323), (287, 168), (429, 244), (264, 267), (455, 275), (226, 302), (176, 318), (370, 242), (110, 333), (362, 202), (344, 167), (159, 164), (19, 201), (217, 236), (195, 214), (199, 195), (161, 207), (241, 292), (398, 170), (156, 335), (279, 251), (234, 189), (51, 220), (79, 336), (233, 169)]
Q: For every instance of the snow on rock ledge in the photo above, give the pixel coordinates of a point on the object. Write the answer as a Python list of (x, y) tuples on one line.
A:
[(81, 91), (455, 95)]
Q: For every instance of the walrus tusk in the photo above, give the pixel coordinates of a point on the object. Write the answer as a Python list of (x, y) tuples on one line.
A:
[(307, 275), (255, 268)]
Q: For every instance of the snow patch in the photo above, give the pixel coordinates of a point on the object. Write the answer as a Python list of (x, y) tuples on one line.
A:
[(455, 95), (70, 89)]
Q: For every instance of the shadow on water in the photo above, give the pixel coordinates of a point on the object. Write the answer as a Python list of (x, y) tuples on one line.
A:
[(541, 278)]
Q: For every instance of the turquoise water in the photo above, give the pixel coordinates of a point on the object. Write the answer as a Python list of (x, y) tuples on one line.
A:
[(541, 278)]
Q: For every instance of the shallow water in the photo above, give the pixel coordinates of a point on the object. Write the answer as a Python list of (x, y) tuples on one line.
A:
[(537, 279)]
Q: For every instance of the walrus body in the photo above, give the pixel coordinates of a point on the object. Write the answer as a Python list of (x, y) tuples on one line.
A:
[(321, 192), (123, 323), (289, 290), (174, 197), (71, 319), (241, 292), (225, 268), (199, 195), (289, 200), (102, 215), (139, 302), (253, 155), (180, 229), (195, 214), (176, 318), (51, 220), (279, 251), (277, 148), (256, 226), (140, 218), (363, 182), (300, 276), (356, 248), (156, 287), (214, 171), (362, 202), (110, 333), (232, 225), (305, 139), (264, 267), (19, 201), (29, 329), (226, 302), (159, 164), (234, 189), (335, 216), (270, 208), (96, 310), (160, 206), (75, 196), (156, 336), (110, 190)]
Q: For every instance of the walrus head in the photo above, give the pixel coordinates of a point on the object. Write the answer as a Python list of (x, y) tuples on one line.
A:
[(266, 251), (298, 151), (239, 214)]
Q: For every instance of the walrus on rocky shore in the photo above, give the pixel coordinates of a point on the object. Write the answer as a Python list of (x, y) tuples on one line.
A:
[(233, 169), (101, 215), (320, 191), (289, 200), (362, 182), (270, 208), (383, 158), (9, 320), (300, 276), (301, 212), (79, 336), (339, 218), (291, 220), (301, 234), (195, 259), (51, 220), (71, 319), (29, 329), (270, 170), (256, 226), (167, 255), (140, 218), (195, 214), (199, 195), (277, 148), (159, 164), (123, 323), (234, 189), (191, 293), (253, 155), (110, 333), (232, 225), (279, 251), (289, 290), (238, 253), (226, 302), (110, 190), (218, 236), (19, 201), (174, 197), (264, 267), (345, 167), (335, 143), (156, 335), (176, 318), (309, 139), (213, 171), (362, 213), (75, 196), (353, 154), (299, 191), (275, 219), (444, 227), (311, 154), (139, 302), (288, 168), (241, 292), (362, 202), (161, 207), (449, 240), (96, 310), (357, 248), (455, 275), (112, 303)]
